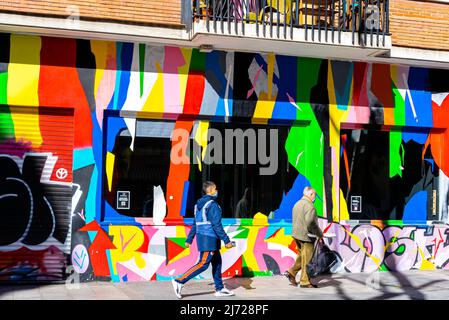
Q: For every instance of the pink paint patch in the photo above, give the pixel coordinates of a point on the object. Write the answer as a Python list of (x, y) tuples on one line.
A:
[(105, 89), (149, 231), (367, 245), (130, 275), (335, 173), (173, 60), (182, 265), (256, 77), (13, 148)]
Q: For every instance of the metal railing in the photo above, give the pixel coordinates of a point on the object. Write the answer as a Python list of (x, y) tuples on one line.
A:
[(364, 20)]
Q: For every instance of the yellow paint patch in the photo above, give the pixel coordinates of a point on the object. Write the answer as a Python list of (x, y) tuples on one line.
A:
[(155, 100), (110, 160), (23, 70), (260, 219), (357, 240), (280, 238), (23, 84), (100, 51), (201, 139), (264, 109), (248, 255), (184, 74), (425, 264), (127, 240), (266, 100), (344, 214)]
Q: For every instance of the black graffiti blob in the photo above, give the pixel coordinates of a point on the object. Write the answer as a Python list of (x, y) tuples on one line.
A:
[(26, 214)]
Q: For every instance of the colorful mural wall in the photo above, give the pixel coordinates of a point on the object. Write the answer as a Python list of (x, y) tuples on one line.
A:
[(131, 80)]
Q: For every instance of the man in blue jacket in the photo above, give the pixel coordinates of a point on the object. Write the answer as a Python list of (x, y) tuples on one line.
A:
[(209, 232)]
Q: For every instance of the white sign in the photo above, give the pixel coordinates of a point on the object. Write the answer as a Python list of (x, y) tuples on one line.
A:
[(356, 204), (123, 199)]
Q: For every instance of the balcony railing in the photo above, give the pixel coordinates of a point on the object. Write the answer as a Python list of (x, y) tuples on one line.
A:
[(364, 21)]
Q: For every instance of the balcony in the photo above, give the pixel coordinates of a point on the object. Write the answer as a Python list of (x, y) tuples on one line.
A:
[(296, 27)]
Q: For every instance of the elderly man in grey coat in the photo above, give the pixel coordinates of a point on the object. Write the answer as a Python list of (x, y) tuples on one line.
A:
[(304, 222)]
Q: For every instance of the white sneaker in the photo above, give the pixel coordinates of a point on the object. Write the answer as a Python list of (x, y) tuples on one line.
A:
[(177, 287), (224, 293)]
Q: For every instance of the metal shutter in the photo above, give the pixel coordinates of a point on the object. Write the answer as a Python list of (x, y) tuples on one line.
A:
[(36, 149)]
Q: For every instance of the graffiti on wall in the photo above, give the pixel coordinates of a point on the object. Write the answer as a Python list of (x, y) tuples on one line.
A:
[(133, 80), (130, 253)]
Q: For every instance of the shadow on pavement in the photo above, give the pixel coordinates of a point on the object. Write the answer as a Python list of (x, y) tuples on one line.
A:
[(234, 283), (198, 294), (414, 293)]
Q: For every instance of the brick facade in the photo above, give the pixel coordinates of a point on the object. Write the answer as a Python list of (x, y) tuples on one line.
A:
[(415, 24), (157, 12), (419, 24)]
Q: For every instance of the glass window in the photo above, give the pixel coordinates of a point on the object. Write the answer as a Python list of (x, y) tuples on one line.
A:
[(244, 187), (388, 175), (248, 162)]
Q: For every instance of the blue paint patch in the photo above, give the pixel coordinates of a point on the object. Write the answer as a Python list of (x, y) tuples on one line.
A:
[(123, 74), (114, 277), (125, 278), (185, 194), (96, 181), (115, 124), (90, 209), (342, 98), (82, 158), (283, 109), (418, 137), (432, 162), (213, 70), (293, 196), (421, 98), (416, 208), (270, 231), (111, 215)]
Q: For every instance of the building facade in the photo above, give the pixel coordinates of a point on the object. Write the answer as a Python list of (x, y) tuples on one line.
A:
[(110, 121)]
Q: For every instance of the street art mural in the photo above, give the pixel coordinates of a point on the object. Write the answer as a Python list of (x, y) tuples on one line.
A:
[(329, 107)]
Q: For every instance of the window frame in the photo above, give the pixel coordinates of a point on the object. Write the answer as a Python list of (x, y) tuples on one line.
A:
[(120, 219)]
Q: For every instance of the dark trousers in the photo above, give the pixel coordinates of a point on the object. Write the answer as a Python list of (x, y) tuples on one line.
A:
[(206, 257)]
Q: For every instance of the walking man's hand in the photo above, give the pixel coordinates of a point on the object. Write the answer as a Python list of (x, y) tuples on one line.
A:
[(187, 245), (228, 245)]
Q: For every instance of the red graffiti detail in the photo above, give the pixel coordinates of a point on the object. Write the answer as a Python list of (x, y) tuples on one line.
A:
[(59, 85), (97, 250), (437, 140)]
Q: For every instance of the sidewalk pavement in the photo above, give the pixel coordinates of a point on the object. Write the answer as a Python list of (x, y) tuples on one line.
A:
[(409, 285)]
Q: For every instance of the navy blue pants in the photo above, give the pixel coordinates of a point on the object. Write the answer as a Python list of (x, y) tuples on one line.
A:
[(206, 257)]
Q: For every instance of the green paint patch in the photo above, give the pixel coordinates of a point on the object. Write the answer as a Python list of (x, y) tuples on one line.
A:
[(141, 66), (397, 154), (243, 234), (399, 223), (198, 61), (179, 241), (304, 144), (6, 123), (383, 268), (400, 250), (246, 222)]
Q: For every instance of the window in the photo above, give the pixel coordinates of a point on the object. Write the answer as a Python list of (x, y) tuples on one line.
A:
[(136, 173), (385, 175), (248, 162), (244, 187)]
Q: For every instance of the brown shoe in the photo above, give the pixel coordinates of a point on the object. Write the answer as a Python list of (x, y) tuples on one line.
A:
[(290, 278), (310, 285)]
